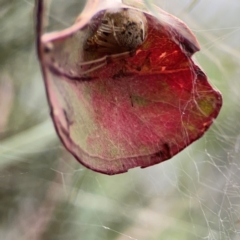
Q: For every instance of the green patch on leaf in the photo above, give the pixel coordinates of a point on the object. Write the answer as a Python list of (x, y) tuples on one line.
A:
[(139, 101), (206, 106)]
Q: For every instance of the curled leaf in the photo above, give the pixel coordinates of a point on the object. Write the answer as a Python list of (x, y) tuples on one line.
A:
[(123, 89)]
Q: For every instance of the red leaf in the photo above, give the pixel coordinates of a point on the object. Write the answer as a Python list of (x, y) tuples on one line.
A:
[(131, 106)]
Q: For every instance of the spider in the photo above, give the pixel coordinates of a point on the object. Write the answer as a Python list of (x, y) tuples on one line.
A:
[(118, 36)]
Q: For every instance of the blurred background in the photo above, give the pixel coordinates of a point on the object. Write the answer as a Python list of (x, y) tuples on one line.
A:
[(46, 194)]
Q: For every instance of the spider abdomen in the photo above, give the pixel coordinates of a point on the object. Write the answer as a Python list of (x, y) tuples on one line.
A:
[(120, 31)]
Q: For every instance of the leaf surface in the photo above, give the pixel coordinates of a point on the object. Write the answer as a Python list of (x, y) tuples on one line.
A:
[(136, 110)]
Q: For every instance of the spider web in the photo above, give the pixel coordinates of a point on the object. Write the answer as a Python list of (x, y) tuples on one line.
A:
[(46, 194)]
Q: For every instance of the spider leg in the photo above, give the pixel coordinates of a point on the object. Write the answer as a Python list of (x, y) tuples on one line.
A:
[(94, 68), (90, 66), (104, 44), (103, 36), (109, 28), (105, 28), (116, 29)]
